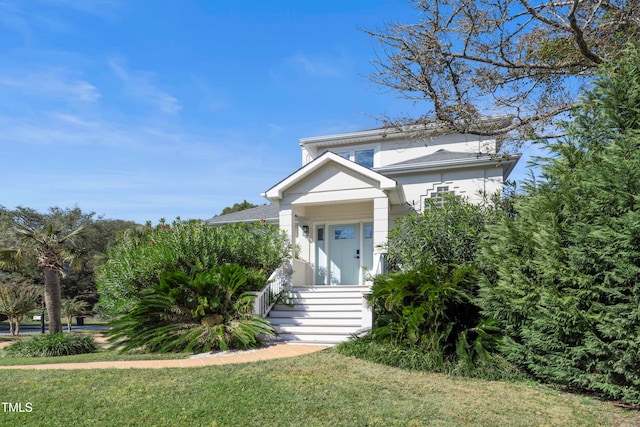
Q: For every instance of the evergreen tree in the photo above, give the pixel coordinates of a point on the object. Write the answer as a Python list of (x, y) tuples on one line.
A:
[(566, 284)]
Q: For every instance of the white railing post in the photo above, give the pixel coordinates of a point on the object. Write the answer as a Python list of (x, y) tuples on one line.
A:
[(367, 311), (278, 282)]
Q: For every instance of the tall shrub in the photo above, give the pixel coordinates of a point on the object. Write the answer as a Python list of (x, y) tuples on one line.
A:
[(137, 260), (446, 232), (428, 304), (566, 282)]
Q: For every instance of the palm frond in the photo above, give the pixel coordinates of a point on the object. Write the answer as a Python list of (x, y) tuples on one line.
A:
[(10, 258)]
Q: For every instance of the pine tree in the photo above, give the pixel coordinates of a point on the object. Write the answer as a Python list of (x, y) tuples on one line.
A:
[(566, 280)]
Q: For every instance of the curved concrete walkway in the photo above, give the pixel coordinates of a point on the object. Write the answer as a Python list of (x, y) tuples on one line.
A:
[(271, 352)]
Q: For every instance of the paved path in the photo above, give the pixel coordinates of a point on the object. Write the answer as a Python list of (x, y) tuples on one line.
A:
[(271, 352)]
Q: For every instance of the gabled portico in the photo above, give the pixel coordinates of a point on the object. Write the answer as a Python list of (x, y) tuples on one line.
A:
[(337, 214)]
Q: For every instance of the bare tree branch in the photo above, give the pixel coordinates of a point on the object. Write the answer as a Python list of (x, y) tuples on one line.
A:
[(463, 60)]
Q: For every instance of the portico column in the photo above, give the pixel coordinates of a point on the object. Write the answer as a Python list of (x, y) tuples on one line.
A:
[(380, 231), (287, 224)]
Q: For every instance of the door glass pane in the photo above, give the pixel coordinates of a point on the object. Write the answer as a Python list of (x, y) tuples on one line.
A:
[(342, 233)]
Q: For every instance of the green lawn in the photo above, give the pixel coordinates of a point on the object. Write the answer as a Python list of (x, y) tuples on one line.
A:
[(320, 389)]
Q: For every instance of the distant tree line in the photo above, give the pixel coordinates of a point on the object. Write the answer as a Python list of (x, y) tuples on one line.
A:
[(20, 230)]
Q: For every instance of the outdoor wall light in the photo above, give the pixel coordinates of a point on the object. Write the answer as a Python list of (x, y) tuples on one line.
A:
[(305, 230)]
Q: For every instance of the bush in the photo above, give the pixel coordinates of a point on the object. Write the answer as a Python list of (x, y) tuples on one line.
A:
[(137, 260), (411, 357), (198, 313), (51, 345), (566, 285), (430, 306), (433, 310), (445, 233)]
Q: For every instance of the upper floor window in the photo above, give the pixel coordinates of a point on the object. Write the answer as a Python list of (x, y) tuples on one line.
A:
[(361, 157), (437, 196)]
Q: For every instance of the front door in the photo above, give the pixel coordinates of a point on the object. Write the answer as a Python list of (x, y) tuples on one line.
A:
[(344, 254)]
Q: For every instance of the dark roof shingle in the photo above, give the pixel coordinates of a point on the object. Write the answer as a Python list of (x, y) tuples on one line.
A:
[(269, 213)]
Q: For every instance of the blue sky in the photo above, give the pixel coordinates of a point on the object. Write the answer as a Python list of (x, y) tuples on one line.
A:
[(145, 109)]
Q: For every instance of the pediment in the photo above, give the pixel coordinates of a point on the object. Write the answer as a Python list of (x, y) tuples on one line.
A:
[(331, 174)]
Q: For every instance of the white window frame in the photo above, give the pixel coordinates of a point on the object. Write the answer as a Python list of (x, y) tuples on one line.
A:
[(350, 153)]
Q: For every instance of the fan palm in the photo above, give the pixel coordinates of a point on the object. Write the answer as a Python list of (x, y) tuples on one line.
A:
[(55, 248), (73, 307)]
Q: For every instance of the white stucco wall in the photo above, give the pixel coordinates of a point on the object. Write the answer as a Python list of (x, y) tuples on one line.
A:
[(394, 150)]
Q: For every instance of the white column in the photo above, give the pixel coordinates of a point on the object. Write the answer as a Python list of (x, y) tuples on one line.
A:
[(380, 231), (287, 224)]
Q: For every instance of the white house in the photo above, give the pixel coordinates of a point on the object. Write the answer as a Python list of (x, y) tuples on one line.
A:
[(338, 207)]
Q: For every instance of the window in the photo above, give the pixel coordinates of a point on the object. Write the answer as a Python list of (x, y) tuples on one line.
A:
[(320, 232), (342, 233), (363, 157), (437, 195), (368, 231)]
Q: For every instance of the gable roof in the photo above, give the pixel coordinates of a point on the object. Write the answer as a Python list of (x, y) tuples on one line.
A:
[(431, 127), (384, 183), (269, 213)]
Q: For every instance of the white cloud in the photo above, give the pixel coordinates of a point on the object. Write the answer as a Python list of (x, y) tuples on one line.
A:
[(140, 86), (54, 83), (316, 66), (211, 97), (14, 19)]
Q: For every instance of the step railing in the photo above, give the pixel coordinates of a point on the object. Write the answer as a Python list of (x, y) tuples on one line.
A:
[(280, 281)]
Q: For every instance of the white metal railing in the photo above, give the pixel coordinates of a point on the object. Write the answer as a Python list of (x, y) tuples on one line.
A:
[(280, 281)]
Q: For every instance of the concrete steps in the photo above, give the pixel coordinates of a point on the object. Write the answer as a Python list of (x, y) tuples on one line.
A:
[(320, 315)]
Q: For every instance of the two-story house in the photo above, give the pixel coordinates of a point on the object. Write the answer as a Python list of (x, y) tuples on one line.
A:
[(339, 206)]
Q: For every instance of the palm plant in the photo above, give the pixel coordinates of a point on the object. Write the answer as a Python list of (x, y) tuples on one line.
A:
[(9, 258), (73, 307), (55, 247), (426, 308), (198, 313)]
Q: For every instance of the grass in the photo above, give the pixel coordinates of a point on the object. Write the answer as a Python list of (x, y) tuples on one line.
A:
[(320, 389), (102, 355)]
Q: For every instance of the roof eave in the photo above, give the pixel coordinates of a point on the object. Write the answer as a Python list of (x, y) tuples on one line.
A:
[(445, 164)]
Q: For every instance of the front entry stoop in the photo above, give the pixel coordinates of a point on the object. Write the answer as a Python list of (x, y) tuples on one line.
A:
[(320, 315)]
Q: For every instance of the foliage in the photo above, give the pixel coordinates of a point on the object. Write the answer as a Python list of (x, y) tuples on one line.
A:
[(566, 281), (444, 233), (16, 300), (51, 345), (73, 307), (207, 311), (237, 207), (99, 234), (429, 306), (429, 309), (53, 241), (523, 58), (409, 357), (137, 260)]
